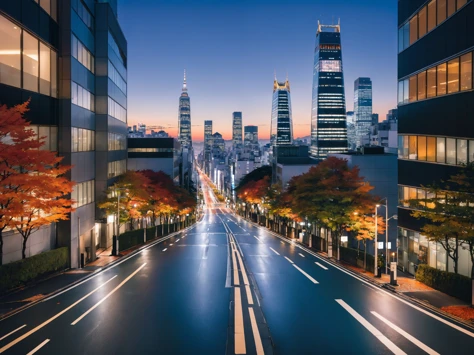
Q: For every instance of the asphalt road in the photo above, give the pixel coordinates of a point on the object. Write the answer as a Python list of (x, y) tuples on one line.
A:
[(225, 286)]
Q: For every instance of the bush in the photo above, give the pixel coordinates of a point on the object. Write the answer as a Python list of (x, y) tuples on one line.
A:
[(20, 272), (453, 284), (129, 239)]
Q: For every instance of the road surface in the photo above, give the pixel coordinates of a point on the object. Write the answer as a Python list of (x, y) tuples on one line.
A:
[(226, 286)]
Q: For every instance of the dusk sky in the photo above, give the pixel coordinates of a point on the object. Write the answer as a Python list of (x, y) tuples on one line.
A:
[(230, 50)]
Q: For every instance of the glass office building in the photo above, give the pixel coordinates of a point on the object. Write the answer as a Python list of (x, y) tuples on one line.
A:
[(185, 117), (237, 130), (281, 131), (328, 111), (250, 136), (362, 109), (80, 106)]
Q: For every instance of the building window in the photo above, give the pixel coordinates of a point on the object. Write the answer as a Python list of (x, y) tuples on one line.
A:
[(412, 89), (451, 7), (431, 82), (39, 61), (80, 52), (441, 11), (461, 150), (30, 62), (81, 97), (422, 22), (117, 142), (441, 77), (461, 3), (471, 151), (412, 147), (453, 76), (466, 72), (422, 86), (329, 66), (413, 29), (83, 193), (117, 78), (50, 6), (116, 49), (431, 149), (117, 111), (116, 168), (421, 148), (431, 15), (450, 151), (82, 140), (440, 150), (50, 134), (83, 14)]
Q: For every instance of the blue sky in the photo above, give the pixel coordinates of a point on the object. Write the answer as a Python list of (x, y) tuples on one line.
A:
[(230, 50)]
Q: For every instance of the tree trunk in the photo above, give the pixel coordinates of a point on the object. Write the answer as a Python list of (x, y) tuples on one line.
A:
[(23, 249), (1, 246), (365, 255)]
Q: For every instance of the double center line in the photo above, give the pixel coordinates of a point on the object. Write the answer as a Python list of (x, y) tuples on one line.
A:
[(239, 326)]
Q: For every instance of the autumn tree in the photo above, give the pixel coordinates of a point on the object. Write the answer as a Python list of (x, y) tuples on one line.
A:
[(331, 193), (32, 186), (447, 211)]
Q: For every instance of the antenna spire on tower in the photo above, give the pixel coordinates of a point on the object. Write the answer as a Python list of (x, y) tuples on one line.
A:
[(184, 82)]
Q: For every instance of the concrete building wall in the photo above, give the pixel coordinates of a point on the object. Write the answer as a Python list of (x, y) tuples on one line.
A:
[(40, 241)]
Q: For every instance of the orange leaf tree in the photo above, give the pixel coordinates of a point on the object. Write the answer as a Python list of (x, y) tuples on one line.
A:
[(32, 185), (331, 193)]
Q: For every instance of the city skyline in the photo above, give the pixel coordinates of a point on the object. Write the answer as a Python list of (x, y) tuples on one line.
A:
[(222, 83)]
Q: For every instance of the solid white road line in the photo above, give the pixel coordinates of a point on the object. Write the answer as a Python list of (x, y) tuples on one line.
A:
[(415, 341), (234, 266), (13, 331), (177, 240), (305, 274), (165, 249), (277, 253), (256, 333), (108, 295), (26, 335), (257, 238), (239, 335), (375, 332), (38, 347), (301, 255), (321, 265), (289, 260)]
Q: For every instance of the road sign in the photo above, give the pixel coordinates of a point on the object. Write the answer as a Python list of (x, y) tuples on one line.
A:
[(380, 245), (344, 238), (389, 245)]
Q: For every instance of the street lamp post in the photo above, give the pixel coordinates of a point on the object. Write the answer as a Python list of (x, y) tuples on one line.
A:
[(376, 244)]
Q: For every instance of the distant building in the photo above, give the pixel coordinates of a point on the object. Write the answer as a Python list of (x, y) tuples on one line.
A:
[(218, 142), (237, 130), (392, 115), (207, 135), (250, 136), (281, 131), (185, 137), (375, 118), (157, 154), (362, 109), (328, 110), (351, 130)]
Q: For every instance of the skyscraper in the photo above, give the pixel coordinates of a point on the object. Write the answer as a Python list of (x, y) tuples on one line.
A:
[(328, 114), (207, 135), (435, 125), (250, 135), (79, 107), (281, 131), (375, 118), (185, 117), (237, 130), (362, 108)]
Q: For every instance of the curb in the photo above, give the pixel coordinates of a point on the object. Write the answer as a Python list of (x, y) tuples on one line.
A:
[(121, 259), (468, 324)]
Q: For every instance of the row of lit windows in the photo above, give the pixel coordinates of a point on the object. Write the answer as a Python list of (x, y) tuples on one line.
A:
[(116, 168), (117, 141), (19, 49), (82, 140), (443, 150), (447, 78), (117, 111), (49, 135), (426, 20), (117, 78), (83, 13), (150, 150), (330, 46), (50, 6), (80, 52), (83, 193), (81, 97), (407, 193)]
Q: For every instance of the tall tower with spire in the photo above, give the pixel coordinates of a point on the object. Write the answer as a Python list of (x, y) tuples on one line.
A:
[(184, 117), (281, 131)]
